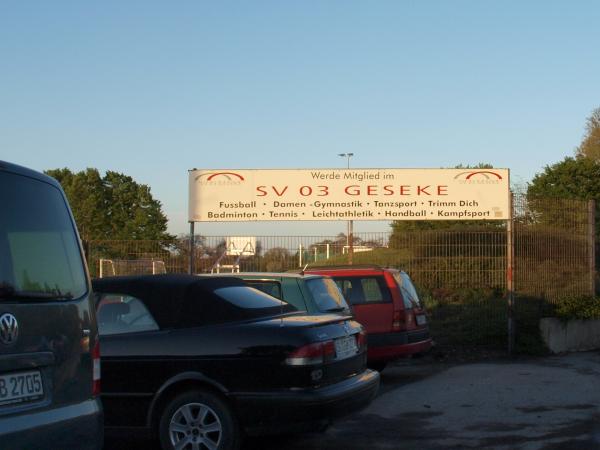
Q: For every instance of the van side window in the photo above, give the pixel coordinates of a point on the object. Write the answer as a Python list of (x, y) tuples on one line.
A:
[(371, 290), (118, 314)]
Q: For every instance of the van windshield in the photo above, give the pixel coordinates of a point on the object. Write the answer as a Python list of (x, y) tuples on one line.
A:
[(327, 295), (409, 292), (39, 253)]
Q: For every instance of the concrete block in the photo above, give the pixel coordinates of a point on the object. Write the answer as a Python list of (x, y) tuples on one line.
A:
[(570, 336)]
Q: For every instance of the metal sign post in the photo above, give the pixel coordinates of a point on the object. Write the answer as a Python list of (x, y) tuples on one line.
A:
[(350, 242), (192, 248), (592, 245), (350, 231)]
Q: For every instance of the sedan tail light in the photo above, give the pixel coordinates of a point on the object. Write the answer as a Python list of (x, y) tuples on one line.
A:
[(311, 354), (96, 368), (361, 340)]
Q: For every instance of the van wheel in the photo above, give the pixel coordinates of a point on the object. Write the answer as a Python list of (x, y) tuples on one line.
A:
[(377, 365), (198, 420)]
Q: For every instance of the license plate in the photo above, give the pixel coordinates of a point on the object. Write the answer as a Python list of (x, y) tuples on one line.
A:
[(345, 347), (20, 387), (421, 320)]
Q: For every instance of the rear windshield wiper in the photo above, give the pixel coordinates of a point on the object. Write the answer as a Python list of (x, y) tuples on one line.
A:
[(8, 291)]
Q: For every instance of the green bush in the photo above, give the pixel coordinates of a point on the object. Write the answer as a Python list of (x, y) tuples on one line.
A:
[(579, 307)]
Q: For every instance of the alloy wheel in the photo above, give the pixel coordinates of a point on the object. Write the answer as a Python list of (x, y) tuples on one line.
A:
[(195, 426)]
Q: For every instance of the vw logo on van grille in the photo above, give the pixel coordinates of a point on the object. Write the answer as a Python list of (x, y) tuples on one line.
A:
[(9, 329)]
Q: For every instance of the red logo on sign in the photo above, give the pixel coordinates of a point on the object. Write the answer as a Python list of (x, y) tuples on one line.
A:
[(228, 175), (479, 174), (220, 178)]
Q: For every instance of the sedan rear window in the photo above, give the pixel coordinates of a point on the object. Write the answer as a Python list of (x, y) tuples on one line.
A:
[(230, 304), (272, 288), (39, 252), (123, 314), (248, 298)]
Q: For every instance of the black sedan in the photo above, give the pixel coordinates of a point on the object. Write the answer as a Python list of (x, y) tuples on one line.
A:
[(199, 362)]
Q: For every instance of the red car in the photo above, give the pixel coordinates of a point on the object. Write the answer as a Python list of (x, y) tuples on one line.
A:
[(386, 303)]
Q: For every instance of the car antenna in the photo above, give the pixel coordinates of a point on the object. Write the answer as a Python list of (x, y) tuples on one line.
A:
[(280, 313), (304, 269)]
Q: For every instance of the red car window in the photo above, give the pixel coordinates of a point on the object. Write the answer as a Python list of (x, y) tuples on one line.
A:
[(367, 289)]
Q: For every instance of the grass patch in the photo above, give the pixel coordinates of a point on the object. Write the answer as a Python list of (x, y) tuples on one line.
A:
[(473, 323), (385, 257), (478, 318)]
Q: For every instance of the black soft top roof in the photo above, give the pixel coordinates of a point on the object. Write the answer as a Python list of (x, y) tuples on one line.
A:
[(177, 300), (168, 296)]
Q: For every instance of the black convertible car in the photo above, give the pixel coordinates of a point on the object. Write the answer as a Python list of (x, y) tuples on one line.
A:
[(199, 361)]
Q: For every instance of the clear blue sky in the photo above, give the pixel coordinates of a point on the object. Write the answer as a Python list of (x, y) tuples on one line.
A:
[(153, 89)]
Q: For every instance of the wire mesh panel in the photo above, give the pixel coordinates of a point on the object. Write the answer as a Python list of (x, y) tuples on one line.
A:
[(552, 248), (460, 267), (110, 258), (114, 267)]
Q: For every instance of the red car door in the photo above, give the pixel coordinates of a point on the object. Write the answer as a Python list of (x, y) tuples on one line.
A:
[(370, 299)]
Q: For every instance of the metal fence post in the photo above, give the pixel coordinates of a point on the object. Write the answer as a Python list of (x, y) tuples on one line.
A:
[(592, 245), (510, 254)]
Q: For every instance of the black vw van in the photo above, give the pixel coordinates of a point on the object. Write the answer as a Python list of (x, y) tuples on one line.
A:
[(49, 350)]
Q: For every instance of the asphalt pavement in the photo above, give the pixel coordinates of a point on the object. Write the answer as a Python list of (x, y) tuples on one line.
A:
[(536, 404)]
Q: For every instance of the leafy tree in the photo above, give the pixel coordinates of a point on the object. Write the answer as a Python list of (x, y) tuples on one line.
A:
[(133, 212), (555, 196), (590, 146), (112, 207), (476, 166), (277, 259), (87, 198), (574, 178)]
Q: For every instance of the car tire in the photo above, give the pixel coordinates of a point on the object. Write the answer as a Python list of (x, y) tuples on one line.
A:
[(377, 365), (199, 416)]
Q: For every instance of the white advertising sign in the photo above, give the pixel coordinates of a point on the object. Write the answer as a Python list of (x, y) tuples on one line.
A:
[(238, 195)]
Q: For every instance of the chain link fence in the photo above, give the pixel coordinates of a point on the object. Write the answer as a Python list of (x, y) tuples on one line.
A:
[(460, 268)]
